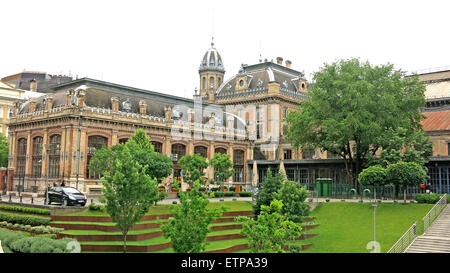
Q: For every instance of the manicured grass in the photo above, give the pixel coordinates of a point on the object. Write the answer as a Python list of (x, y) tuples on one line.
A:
[(348, 227), (97, 232)]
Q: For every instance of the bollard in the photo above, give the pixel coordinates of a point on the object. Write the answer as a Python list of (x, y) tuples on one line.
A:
[(32, 200), (92, 201), (21, 199), (10, 199)]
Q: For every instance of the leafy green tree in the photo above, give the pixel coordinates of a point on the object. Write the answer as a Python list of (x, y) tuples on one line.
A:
[(407, 145), (128, 192), (373, 176), (188, 228), (223, 167), (4, 151), (158, 165), (293, 196), (193, 166), (406, 174), (271, 232), (351, 108), (268, 191)]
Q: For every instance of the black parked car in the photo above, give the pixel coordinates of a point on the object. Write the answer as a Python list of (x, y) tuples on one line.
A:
[(67, 196)]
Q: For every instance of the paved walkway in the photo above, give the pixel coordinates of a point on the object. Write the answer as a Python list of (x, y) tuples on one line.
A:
[(437, 237)]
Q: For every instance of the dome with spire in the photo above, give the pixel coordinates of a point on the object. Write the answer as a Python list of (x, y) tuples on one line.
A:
[(212, 60)]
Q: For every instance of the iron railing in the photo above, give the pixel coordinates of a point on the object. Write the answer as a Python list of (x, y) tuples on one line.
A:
[(434, 212), (402, 244)]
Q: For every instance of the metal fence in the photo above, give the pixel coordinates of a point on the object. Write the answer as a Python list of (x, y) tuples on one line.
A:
[(434, 212), (407, 238), (347, 191)]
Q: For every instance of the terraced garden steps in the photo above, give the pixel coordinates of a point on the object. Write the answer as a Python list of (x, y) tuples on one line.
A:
[(144, 218)]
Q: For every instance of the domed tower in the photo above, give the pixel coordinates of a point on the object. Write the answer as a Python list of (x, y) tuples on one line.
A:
[(211, 72)]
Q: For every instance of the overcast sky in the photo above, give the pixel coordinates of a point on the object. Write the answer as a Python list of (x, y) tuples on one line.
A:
[(158, 45)]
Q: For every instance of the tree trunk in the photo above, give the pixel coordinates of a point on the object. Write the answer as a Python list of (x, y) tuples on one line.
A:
[(125, 241), (404, 194), (375, 193)]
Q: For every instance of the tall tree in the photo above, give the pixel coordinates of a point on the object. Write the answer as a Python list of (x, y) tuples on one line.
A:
[(223, 167), (188, 228), (157, 165), (128, 192), (352, 106), (4, 151), (193, 166), (405, 174)]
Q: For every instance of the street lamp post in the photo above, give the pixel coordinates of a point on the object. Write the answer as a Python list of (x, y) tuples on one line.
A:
[(374, 206)]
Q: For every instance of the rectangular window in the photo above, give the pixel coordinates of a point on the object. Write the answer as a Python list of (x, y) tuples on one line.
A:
[(288, 154)]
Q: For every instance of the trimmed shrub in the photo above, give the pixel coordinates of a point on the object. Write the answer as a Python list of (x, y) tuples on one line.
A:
[(428, 198), (95, 207), (25, 210), (14, 241), (24, 219), (245, 193)]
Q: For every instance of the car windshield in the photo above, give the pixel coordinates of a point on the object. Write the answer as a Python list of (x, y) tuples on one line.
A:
[(71, 190)]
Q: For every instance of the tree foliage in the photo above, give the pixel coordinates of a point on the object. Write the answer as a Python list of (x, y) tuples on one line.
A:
[(188, 228), (128, 191), (157, 165), (405, 174), (193, 166), (4, 151), (268, 191), (293, 196), (271, 232), (373, 176), (223, 167), (353, 107)]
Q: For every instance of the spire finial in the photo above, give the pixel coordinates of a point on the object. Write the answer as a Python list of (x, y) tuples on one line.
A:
[(212, 41)]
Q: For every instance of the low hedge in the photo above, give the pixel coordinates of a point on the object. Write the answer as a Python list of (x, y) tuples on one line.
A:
[(245, 193), (25, 210), (223, 194), (428, 198), (24, 219), (22, 242), (36, 229)]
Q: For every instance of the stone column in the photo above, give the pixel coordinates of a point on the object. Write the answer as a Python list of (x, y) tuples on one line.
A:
[(28, 158), (114, 138), (44, 153)]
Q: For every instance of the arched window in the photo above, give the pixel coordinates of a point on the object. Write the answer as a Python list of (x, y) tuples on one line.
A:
[(238, 160), (123, 140), (21, 157), (179, 150), (54, 156), (94, 143), (36, 168), (211, 83), (204, 83), (157, 146), (201, 150), (220, 151)]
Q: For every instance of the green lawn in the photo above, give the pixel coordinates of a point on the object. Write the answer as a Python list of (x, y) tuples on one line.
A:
[(348, 227)]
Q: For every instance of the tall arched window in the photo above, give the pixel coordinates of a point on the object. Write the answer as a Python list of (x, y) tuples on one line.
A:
[(211, 83), (36, 169), (220, 151), (94, 143), (54, 156), (179, 150), (157, 146), (21, 157), (204, 83), (238, 160), (201, 150)]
